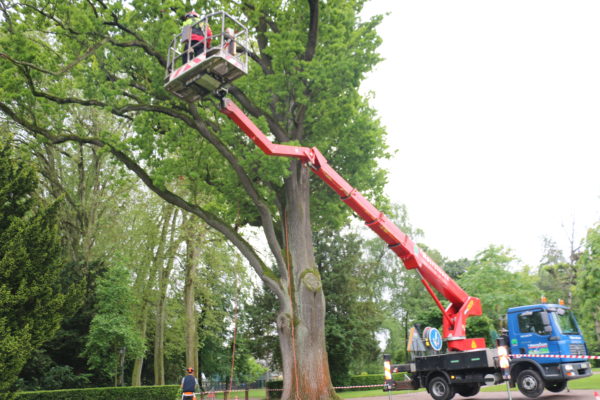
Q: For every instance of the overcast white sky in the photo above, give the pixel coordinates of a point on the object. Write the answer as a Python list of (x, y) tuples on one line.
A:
[(494, 110)]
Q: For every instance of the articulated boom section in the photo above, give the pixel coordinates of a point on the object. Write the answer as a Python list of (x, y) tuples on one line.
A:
[(461, 304)]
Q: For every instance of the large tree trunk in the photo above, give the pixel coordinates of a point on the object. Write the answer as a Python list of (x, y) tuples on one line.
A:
[(189, 297), (159, 341), (161, 312), (138, 363), (305, 365), (161, 318)]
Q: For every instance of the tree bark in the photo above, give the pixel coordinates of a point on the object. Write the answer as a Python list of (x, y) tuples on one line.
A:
[(138, 363), (161, 315), (189, 297), (305, 364)]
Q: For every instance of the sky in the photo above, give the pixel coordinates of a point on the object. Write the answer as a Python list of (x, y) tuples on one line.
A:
[(493, 111)]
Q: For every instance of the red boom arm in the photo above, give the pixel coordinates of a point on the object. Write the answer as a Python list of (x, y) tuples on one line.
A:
[(461, 304)]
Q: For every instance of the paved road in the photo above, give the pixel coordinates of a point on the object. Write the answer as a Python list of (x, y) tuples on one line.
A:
[(572, 395)]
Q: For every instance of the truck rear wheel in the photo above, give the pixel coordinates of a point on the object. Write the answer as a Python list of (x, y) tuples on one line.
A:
[(556, 386), (530, 383), (467, 389), (440, 389)]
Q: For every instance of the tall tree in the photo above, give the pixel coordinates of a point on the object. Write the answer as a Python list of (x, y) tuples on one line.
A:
[(164, 258), (587, 293), (114, 336), (309, 59), (31, 294), (354, 314), (495, 278), (557, 276)]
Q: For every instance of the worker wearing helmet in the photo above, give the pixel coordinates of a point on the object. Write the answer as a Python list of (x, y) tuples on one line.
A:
[(188, 385), (196, 39)]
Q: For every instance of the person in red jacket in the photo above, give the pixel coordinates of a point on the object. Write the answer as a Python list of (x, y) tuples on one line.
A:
[(200, 31)]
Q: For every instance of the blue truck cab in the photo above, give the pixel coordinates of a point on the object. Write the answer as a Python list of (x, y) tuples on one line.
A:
[(545, 341)]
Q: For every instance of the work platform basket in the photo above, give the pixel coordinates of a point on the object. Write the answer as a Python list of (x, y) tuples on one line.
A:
[(195, 69)]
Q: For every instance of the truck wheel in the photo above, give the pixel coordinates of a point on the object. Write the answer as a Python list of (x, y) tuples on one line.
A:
[(530, 383), (556, 386), (467, 390), (440, 389)]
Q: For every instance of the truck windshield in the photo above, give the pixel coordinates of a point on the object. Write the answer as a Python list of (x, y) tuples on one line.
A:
[(566, 322)]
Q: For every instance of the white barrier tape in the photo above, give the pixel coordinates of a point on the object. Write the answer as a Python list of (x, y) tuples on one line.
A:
[(355, 387), (337, 387), (553, 356), (222, 391)]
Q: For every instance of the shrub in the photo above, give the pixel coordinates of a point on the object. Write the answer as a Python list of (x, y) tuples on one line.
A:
[(108, 393), (270, 385)]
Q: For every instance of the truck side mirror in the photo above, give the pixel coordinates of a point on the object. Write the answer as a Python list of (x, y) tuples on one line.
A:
[(546, 322), (545, 319)]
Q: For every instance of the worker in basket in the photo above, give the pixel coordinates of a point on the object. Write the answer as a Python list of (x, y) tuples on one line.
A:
[(194, 40), (188, 385)]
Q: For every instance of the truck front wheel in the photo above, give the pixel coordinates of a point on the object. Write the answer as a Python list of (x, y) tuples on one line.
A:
[(530, 383), (467, 390), (556, 386), (440, 389)]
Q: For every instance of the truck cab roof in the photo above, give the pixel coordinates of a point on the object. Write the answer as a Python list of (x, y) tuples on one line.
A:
[(545, 306)]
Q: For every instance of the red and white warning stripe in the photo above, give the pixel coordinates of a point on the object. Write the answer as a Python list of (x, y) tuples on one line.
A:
[(356, 387), (337, 387), (553, 356)]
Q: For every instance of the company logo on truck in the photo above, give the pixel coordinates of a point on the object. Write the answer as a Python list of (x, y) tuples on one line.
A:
[(538, 348)]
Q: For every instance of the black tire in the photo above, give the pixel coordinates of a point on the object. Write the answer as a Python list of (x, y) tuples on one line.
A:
[(556, 387), (467, 389), (530, 383), (439, 388)]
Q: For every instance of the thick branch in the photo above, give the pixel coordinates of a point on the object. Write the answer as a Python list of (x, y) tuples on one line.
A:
[(52, 18), (212, 220), (145, 46), (311, 44), (263, 209), (139, 42), (276, 130)]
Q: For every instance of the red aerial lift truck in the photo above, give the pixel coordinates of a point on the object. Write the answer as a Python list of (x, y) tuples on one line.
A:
[(534, 331)]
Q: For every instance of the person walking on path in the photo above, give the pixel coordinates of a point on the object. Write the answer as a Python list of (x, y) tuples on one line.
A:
[(188, 385)]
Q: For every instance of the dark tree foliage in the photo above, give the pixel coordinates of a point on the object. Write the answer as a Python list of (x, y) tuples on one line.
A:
[(60, 363), (31, 295), (353, 314), (261, 325)]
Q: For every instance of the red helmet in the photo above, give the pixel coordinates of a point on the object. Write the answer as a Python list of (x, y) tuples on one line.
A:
[(191, 14), (190, 370)]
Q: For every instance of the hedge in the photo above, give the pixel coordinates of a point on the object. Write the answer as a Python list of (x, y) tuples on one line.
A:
[(106, 393), (355, 380)]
